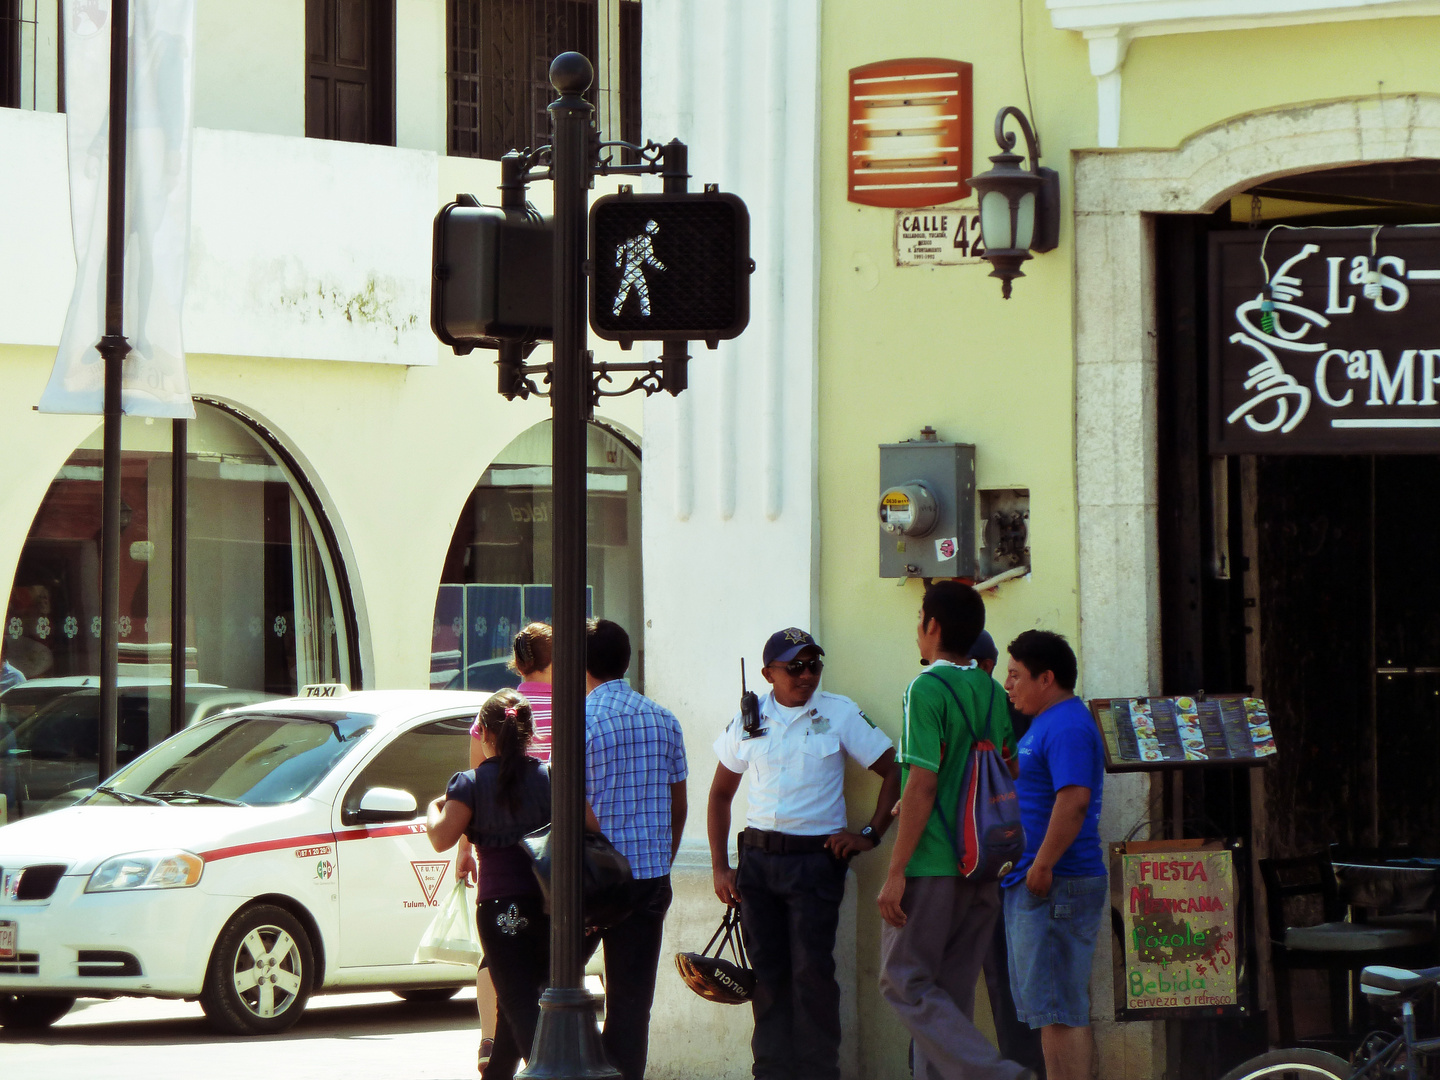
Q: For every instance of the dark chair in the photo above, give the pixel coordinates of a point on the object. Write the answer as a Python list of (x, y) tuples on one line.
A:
[(1333, 945)]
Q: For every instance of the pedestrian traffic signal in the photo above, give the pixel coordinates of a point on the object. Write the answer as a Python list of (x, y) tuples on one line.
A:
[(491, 276), (669, 267)]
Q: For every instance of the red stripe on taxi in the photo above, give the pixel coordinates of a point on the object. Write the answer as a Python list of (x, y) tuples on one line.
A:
[(266, 845), (306, 841)]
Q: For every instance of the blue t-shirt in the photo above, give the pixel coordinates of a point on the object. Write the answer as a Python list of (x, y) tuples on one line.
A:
[(1061, 749)]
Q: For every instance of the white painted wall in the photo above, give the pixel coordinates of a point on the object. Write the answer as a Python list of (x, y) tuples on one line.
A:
[(420, 58), (250, 65), (298, 247), (730, 511)]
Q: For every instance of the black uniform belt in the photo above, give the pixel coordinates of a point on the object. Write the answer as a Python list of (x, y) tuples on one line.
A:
[(779, 843)]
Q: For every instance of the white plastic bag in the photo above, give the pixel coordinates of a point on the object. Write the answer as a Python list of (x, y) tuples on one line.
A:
[(451, 937)]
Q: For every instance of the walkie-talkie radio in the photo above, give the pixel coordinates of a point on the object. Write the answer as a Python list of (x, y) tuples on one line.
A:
[(749, 708)]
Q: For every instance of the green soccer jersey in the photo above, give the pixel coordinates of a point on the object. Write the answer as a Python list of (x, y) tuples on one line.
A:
[(938, 736)]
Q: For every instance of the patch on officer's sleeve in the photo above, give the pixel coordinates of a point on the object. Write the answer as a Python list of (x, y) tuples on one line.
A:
[(865, 718)]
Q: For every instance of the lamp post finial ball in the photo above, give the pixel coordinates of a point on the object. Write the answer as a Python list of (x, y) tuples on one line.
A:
[(571, 73)]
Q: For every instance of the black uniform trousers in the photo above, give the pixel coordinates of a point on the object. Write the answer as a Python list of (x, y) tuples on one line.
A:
[(789, 911)]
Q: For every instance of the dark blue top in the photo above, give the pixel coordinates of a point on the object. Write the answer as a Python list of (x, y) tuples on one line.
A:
[(495, 829), (1061, 749)]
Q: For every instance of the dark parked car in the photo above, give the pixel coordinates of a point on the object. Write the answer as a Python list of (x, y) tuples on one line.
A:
[(50, 733)]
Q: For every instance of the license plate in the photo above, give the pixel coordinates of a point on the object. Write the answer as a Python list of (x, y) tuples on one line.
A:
[(9, 934)]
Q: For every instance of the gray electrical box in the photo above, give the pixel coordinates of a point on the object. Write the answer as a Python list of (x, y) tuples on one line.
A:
[(927, 509)]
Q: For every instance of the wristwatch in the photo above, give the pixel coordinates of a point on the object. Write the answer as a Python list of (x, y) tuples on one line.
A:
[(869, 833)]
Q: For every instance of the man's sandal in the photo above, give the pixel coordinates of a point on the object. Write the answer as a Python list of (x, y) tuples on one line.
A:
[(487, 1047)]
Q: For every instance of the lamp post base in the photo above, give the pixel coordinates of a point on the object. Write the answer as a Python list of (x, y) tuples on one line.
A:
[(567, 1042)]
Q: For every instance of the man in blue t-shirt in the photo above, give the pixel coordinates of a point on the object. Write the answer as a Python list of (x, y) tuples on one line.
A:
[(1057, 893)]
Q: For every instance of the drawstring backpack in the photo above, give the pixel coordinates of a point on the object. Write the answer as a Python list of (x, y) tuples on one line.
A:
[(988, 838)]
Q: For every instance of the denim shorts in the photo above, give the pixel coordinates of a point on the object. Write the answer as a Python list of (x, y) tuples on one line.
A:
[(1051, 940)]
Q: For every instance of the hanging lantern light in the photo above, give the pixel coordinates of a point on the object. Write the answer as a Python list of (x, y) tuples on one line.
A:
[(1019, 207)]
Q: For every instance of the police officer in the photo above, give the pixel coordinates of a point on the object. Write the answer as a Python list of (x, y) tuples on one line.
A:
[(795, 850)]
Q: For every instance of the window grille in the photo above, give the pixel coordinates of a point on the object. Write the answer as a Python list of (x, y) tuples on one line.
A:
[(19, 72), (499, 64)]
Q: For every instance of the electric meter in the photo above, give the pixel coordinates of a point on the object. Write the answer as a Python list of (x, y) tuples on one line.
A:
[(908, 509), (927, 509)]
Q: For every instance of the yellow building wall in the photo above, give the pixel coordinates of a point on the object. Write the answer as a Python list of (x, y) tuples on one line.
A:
[(902, 347), (1176, 85)]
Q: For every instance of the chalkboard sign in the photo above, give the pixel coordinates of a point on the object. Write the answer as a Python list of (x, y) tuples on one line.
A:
[(1181, 918), (1166, 732)]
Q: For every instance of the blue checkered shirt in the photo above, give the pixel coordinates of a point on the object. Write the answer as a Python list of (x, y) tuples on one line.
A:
[(634, 751)]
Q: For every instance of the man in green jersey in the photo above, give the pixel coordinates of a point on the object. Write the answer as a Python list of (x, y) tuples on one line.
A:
[(938, 924)]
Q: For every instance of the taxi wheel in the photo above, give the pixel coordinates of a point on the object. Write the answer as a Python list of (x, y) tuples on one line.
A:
[(29, 1012), (260, 973)]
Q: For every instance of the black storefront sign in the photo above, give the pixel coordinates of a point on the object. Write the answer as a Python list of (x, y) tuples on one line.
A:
[(1332, 367)]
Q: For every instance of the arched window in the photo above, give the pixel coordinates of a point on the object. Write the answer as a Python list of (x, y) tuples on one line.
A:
[(266, 612), (497, 572)]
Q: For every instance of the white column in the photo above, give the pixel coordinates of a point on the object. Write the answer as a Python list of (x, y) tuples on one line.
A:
[(729, 472), (730, 514), (1107, 56)]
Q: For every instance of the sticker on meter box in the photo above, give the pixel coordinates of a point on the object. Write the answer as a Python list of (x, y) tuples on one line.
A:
[(896, 499), (946, 547)]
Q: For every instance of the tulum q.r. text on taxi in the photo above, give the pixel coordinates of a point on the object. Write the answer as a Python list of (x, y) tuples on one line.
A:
[(255, 858)]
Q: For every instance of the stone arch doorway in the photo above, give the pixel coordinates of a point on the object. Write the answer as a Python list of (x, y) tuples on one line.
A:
[(1120, 199), (1117, 195)]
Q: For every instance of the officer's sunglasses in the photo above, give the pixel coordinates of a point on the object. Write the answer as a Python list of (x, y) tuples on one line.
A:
[(797, 667)]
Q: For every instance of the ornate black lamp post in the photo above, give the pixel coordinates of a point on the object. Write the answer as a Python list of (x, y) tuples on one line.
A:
[(491, 279), (1019, 208)]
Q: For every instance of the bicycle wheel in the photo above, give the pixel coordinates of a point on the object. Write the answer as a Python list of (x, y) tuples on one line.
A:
[(1292, 1065)]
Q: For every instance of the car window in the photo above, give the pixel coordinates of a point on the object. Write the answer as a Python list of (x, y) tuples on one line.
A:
[(66, 729), (421, 761), (261, 759)]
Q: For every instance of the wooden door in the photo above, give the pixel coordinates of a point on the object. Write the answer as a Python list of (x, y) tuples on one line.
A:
[(350, 59)]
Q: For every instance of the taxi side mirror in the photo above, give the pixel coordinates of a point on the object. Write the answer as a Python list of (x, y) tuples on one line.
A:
[(381, 804)]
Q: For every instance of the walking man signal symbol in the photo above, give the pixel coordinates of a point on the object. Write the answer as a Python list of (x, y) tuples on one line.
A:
[(632, 257)]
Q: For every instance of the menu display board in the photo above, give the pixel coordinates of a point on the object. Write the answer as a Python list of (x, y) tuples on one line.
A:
[(1165, 732), (1181, 952)]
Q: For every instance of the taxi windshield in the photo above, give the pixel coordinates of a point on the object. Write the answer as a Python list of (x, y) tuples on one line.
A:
[(258, 759)]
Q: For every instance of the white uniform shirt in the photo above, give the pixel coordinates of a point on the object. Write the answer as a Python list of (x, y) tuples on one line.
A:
[(797, 770)]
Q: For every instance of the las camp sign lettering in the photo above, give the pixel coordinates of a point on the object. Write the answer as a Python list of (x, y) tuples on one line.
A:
[(1331, 345)]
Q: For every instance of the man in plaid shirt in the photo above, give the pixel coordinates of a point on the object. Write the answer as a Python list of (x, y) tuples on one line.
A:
[(635, 782)]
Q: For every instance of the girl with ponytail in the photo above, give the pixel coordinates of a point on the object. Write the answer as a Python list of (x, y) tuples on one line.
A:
[(532, 659), (493, 805)]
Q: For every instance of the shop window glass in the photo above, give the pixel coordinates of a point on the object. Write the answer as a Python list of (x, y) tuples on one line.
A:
[(497, 573), (264, 615)]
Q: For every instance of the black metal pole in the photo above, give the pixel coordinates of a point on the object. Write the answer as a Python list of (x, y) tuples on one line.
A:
[(512, 201), (179, 537), (567, 1044), (675, 355), (114, 348)]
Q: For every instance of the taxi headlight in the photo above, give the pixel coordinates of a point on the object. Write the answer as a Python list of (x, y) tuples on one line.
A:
[(147, 870)]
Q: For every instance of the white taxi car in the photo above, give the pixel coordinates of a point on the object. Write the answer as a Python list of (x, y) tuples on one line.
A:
[(249, 861)]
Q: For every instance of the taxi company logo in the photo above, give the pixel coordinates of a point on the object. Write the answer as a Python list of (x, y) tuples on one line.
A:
[(324, 870), (312, 852), (430, 874)]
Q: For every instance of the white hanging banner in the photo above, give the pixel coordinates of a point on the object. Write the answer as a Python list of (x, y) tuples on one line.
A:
[(157, 235)]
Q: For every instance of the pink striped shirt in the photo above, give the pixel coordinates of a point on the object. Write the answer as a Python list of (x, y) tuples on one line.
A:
[(538, 694)]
